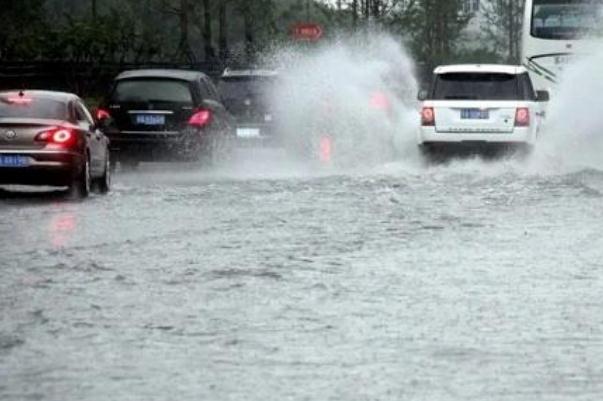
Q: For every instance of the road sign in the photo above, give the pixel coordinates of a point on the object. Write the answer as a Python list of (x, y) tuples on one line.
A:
[(307, 31)]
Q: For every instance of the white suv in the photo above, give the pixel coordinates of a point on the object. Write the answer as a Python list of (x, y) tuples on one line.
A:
[(489, 105)]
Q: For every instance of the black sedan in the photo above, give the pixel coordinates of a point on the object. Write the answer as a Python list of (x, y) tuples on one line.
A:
[(165, 115), (50, 139)]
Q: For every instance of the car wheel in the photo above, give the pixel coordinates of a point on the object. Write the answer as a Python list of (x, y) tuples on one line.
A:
[(103, 184), (217, 150), (524, 151), (226, 148), (113, 166), (80, 187), (429, 155)]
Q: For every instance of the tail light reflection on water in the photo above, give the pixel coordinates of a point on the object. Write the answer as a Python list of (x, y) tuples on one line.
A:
[(61, 229)]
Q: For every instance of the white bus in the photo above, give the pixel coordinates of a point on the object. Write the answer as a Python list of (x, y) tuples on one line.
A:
[(554, 33)]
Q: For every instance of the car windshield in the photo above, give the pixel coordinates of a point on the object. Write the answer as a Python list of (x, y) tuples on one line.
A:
[(238, 87), (32, 108), (477, 86), (152, 90), (567, 19)]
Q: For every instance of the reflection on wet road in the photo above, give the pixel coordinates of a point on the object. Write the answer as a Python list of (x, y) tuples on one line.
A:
[(467, 281)]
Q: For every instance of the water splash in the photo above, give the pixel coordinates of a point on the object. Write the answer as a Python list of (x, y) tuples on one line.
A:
[(573, 133), (356, 94)]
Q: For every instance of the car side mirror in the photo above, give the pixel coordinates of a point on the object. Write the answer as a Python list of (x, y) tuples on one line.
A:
[(422, 95), (543, 96)]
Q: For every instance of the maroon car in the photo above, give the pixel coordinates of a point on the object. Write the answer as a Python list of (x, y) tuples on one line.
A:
[(50, 138)]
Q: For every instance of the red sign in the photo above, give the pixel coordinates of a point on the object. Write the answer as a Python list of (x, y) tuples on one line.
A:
[(307, 31)]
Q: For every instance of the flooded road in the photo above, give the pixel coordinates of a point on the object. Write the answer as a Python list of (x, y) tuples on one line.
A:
[(469, 281)]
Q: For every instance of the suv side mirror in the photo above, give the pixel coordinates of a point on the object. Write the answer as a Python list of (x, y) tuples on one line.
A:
[(423, 93), (542, 96)]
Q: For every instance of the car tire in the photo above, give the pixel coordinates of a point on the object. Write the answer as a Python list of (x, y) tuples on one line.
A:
[(429, 155), (524, 151), (218, 150), (80, 187), (113, 166), (103, 183)]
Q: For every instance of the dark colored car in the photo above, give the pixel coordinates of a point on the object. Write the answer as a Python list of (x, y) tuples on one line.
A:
[(50, 138), (165, 115), (246, 94)]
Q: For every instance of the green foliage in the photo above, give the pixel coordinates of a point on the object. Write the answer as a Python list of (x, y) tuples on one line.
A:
[(22, 29), (98, 31), (503, 27), (478, 56), (433, 28)]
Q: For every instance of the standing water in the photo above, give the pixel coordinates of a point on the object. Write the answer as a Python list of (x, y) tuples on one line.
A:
[(466, 281)]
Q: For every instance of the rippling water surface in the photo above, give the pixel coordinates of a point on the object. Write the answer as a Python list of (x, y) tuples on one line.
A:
[(469, 281)]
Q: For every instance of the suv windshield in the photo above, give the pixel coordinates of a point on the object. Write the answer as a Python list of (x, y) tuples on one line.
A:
[(566, 19), (482, 86), (36, 108), (152, 90)]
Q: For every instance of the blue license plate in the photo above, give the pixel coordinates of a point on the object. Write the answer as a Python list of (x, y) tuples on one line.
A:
[(150, 119), (474, 114), (13, 161)]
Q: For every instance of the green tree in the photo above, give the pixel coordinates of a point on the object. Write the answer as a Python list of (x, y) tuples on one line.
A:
[(433, 28), (23, 27), (503, 27)]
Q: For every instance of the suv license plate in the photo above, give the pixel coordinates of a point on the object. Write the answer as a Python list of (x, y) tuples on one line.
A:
[(474, 114), (150, 119), (13, 161)]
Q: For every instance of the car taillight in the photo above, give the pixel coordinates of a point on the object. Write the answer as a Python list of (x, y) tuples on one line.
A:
[(326, 149), (57, 136), (427, 117), (200, 119), (380, 101), (102, 114), (522, 117)]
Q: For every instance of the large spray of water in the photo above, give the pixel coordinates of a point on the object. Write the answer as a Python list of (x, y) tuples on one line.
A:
[(353, 99), (573, 133)]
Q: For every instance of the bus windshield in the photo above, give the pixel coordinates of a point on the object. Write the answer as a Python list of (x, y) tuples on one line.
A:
[(567, 19)]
